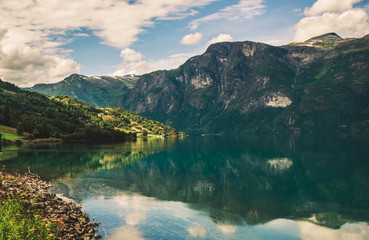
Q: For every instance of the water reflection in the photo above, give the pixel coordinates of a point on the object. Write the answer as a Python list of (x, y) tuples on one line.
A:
[(214, 187), (352, 231), (70, 160), (140, 217), (280, 164)]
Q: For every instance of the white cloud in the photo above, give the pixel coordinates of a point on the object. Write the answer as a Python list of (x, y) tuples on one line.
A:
[(245, 9), (132, 64), (142, 67), (191, 39), (130, 55), (350, 23), (321, 6), (220, 38), (332, 16), (180, 15), (25, 65), (171, 62), (45, 25), (137, 68)]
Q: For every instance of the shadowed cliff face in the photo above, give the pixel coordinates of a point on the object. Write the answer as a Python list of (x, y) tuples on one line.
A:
[(319, 85)]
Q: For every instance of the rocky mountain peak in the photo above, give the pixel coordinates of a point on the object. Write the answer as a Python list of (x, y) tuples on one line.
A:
[(325, 41), (325, 37)]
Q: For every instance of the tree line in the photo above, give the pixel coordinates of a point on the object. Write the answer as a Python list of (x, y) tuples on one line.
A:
[(42, 117), (69, 119)]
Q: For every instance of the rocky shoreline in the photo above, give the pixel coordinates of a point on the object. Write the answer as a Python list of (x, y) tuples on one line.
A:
[(75, 224)]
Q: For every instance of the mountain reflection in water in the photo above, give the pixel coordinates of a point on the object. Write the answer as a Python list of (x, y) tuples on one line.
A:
[(214, 187)]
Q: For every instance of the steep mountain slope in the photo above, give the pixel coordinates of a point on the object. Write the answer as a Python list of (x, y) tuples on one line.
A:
[(70, 119), (99, 91), (254, 87), (321, 84)]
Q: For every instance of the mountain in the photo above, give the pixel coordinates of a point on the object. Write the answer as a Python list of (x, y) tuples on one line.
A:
[(99, 91), (70, 119), (237, 87), (325, 41), (320, 85)]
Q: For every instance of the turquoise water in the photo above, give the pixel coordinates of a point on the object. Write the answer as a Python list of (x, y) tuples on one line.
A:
[(213, 187)]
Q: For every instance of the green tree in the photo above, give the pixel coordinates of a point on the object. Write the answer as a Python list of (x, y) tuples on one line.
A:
[(6, 116), (20, 129)]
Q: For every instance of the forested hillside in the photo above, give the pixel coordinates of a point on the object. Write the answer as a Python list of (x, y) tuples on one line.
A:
[(70, 119), (101, 91)]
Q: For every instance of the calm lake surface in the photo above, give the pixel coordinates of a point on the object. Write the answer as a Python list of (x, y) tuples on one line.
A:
[(213, 187)]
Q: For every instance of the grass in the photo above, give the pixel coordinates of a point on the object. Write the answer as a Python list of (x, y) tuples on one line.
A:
[(322, 73), (9, 133), (355, 50), (21, 220), (10, 136)]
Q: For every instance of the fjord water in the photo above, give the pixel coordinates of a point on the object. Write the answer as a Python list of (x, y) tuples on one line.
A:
[(213, 187)]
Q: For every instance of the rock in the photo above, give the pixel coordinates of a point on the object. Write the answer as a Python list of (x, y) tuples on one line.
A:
[(76, 224), (97, 236)]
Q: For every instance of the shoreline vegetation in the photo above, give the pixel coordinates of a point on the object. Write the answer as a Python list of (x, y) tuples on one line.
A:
[(29, 211), (28, 115), (8, 139)]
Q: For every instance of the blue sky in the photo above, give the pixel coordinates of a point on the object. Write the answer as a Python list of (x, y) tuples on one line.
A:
[(46, 40)]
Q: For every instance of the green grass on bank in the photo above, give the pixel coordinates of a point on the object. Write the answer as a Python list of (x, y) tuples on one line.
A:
[(9, 133), (19, 220), (10, 136)]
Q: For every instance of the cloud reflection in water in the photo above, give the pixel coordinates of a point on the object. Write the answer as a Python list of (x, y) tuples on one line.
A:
[(352, 231), (280, 164), (138, 217)]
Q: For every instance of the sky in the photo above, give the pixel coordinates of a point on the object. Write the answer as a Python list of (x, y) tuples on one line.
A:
[(44, 41)]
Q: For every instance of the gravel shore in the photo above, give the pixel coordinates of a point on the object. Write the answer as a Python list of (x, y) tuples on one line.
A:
[(75, 223)]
